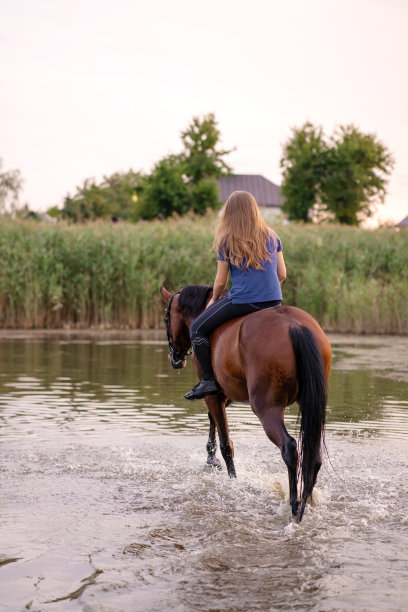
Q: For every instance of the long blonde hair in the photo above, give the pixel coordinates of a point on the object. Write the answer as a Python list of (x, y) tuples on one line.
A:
[(242, 234)]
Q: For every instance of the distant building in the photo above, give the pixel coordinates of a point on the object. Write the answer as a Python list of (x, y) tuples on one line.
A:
[(403, 224), (267, 194), (41, 217)]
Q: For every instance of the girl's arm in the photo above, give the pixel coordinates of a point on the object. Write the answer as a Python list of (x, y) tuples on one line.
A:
[(281, 268), (220, 282)]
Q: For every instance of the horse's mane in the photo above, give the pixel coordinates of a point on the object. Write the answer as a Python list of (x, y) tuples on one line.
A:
[(192, 300)]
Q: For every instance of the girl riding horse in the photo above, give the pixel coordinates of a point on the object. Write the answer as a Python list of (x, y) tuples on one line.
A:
[(249, 250), (270, 357)]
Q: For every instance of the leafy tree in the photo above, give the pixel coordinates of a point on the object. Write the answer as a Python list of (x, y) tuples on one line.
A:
[(303, 167), (204, 195), (11, 183), (177, 183), (54, 212), (114, 196), (201, 159), (187, 181), (343, 176), (356, 167), (165, 191)]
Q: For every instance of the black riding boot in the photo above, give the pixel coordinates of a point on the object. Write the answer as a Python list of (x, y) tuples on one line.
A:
[(207, 385)]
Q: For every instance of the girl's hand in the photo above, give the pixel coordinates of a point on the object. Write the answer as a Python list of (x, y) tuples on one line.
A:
[(210, 302)]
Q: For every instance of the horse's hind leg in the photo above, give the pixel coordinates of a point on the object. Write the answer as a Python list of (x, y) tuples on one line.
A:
[(308, 486), (318, 465), (272, 422), (290, 456), (216, 407), (212, 460)]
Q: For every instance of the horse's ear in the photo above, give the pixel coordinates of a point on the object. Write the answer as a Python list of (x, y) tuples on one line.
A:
[(166, 295)]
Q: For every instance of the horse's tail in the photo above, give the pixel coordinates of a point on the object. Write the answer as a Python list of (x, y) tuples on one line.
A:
[(312, 399)]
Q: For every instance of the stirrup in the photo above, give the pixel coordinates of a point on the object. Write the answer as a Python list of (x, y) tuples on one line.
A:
[(203, 388)]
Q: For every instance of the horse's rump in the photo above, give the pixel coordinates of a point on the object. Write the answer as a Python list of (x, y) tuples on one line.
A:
[(257, 348)]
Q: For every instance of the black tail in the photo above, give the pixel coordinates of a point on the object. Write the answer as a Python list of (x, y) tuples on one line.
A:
[(312, 399)]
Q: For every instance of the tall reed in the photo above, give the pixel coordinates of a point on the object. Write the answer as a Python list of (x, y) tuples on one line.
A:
[(109, 275)]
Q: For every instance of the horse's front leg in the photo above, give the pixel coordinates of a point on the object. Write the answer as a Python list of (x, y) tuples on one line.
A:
[(216, 408), (212, 460)]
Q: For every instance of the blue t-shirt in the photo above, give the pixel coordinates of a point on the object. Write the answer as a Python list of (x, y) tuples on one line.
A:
[(251, 285)]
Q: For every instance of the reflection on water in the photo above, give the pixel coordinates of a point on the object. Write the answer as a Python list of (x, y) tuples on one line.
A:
[(129, 383), (107, 506)]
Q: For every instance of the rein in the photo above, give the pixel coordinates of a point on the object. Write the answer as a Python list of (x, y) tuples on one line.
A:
[(175, 354)]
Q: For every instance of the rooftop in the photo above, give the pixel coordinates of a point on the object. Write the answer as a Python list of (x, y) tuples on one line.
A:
[(265, 192)]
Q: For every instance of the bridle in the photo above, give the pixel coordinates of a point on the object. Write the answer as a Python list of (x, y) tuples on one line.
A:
[(176, 355)]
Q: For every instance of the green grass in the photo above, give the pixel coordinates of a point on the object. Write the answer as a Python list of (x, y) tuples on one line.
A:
[(109, 275)]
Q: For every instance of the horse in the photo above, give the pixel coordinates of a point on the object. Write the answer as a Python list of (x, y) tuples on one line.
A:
[(270, 359)]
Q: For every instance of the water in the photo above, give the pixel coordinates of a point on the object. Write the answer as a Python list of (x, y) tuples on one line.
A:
[(106, 504)]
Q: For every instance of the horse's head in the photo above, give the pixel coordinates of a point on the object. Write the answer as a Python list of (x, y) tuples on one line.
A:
[(177, 329), (182, 307)]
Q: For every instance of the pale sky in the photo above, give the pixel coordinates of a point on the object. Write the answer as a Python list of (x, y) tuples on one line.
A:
[(91, 87)]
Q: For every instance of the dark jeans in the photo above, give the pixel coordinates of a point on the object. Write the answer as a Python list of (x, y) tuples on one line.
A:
[(222, 310)]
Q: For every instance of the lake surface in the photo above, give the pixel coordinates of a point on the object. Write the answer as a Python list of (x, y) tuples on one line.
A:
[(106, 504)]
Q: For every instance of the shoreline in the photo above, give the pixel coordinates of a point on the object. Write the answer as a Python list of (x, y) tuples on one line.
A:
[(159, 334), (117, 333)]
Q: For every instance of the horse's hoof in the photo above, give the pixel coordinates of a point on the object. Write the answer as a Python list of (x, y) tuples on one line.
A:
[(295, 508), (214, 464), (300, 511)]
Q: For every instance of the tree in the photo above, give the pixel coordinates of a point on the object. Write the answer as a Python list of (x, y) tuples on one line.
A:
[(205, 195), (303, 166), (11, 183), (356, 168), (187, 181), (114, 196), (344, 176), (165, 190), (176, 184), (201, 158)]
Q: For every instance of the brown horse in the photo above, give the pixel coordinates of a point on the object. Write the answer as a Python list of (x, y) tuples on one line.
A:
[(271, 358)]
